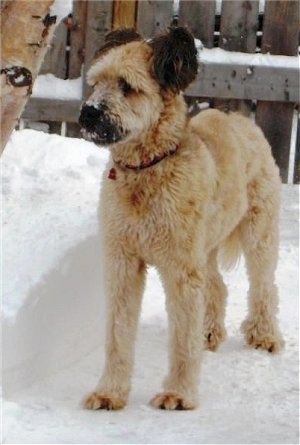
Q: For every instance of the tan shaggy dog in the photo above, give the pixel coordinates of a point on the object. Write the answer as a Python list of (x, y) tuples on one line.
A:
[(177, 193)]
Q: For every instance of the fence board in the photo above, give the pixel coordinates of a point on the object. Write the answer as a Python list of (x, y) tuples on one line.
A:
[(199, 16), (281, 27), (77, 38), (280, 36), (99, 19), (297, 154), (153, 17), (124, 15), (41, 109), (55, 59), (239, 22)]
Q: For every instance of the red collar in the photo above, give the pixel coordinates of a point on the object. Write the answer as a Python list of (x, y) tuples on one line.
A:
[(148, 162), (144, 164)]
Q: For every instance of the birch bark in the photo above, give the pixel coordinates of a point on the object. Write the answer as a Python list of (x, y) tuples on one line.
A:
[(27, 29)]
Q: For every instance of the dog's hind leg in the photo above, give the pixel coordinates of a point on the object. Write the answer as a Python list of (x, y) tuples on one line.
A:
[(125, 286), (259, 237), (215, 293), (185, 308)]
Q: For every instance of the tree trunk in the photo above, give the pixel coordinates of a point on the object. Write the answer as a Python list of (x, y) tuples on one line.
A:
[(27, 28)]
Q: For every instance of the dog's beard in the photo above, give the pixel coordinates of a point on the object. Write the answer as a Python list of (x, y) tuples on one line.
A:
[(102, 139)]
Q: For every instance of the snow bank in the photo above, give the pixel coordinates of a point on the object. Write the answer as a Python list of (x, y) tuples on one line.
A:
[(51, 277)]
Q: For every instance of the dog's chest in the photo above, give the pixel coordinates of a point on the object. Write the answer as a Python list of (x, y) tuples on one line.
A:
[(154, 199), (151, 217)]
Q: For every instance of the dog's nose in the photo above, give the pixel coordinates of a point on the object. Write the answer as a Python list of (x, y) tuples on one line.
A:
[(89, 116)]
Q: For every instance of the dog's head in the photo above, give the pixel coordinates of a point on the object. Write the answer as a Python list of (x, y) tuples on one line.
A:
[(132, 79)]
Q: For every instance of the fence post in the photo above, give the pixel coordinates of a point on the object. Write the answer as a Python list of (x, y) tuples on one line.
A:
[(199, 16), (297, 154), (77, 38), (99, 19), (124, 14), (55, 59), (239, 22), (153, 17), (280, 36)]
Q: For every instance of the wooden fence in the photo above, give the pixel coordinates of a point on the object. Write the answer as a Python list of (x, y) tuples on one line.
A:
[(272, 93)]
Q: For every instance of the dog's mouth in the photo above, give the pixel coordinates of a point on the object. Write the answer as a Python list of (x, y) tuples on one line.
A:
[(98, 126)]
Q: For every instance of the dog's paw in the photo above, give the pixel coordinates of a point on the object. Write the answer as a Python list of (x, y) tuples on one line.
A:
[(172, 401), (97, 400), (270, 340), (214, 337)]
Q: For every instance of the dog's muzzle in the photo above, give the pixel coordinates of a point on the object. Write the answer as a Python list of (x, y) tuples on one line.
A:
[(98, 126)]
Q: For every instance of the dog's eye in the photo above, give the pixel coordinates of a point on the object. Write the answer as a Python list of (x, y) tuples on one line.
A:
[(124, 86)]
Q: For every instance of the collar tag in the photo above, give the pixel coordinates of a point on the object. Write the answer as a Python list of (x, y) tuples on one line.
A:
[(112, 174)]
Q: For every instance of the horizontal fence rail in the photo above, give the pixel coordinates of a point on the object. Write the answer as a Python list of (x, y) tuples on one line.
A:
[(53, 110), (253, 82)]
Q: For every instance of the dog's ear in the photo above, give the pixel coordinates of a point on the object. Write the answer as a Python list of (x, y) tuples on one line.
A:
[(117, 38), (174, 59)]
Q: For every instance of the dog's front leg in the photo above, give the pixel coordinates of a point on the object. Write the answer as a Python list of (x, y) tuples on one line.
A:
[(185, 305), (125, 283)]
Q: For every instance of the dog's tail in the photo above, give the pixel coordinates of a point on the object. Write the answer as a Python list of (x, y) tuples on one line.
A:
[(230, 251)]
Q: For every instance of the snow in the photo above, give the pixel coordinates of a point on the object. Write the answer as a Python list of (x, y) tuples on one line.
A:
[(61, 8), (219, 55), (35, 178), (53, 320), (47, 85)]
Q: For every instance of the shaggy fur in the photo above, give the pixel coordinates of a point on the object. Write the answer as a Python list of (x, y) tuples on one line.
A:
[(177, 193)]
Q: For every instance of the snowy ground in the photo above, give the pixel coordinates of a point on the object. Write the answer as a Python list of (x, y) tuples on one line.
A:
[(53, 320)]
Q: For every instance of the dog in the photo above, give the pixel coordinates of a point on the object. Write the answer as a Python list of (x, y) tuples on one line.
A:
[(179, 194)]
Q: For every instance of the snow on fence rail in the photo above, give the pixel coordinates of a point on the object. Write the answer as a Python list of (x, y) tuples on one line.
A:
[(255, 69)]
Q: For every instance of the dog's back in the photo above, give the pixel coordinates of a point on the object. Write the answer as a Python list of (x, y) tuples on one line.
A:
[(234, 141)]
